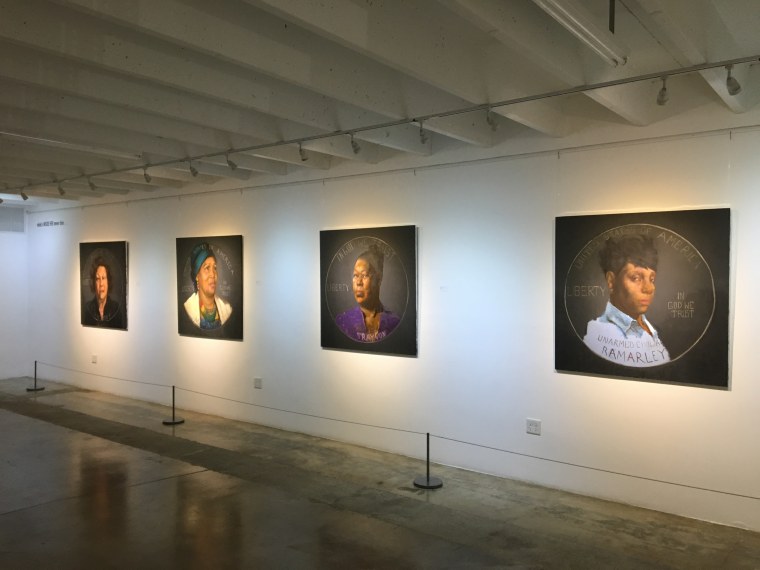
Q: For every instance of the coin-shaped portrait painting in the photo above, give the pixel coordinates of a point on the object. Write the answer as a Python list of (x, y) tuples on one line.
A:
[(210, 287), (644, 295), (368, 282), (103, 283)]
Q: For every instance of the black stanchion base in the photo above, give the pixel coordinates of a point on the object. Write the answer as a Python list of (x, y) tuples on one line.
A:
[(173, 422), (35, 389), (423, 482)]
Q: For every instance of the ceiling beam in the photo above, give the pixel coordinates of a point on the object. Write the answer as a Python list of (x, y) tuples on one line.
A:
[(527, 31), (51, 192), (71, 107), (59, 161), (258, 41), (695, 32), (423, 41), (152, 149), (30, 67), (137, 177), (93, 42), (51, 168)]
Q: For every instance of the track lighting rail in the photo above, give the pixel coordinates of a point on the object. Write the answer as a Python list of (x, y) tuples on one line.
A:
[(731, 83)]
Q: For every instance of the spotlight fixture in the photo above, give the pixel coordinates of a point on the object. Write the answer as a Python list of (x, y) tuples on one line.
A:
[(1, 200), (61, 191), (491, 119), (91, 184), (193, 170), (230, 163), (733, 86), (662, 96), (302, 153), (23, 195), (147, 176), (423, 134), (355, 145)]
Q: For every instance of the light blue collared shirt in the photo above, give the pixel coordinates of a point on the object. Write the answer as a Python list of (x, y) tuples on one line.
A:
[(618, 338), (627, 325)]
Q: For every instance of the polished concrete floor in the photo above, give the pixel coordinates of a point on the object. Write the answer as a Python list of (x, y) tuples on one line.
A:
[(91, 480)]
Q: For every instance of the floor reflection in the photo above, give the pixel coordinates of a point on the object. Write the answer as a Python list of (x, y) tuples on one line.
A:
[(103, 484), (208, 525)]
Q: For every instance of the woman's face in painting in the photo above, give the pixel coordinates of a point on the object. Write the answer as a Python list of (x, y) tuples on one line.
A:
[(632, 289), (366, 282), (207, 277), (101, 284)]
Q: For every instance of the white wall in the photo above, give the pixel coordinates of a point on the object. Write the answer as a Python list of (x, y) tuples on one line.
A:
[(485, 359), (14, 357)]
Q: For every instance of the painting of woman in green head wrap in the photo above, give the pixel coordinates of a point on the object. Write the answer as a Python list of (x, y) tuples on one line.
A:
[(210, 287)]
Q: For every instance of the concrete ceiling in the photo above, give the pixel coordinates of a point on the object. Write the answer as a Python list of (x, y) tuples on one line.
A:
[(93, 91)]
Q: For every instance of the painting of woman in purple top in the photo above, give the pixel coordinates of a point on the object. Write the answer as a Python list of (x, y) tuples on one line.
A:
[(369, 320)]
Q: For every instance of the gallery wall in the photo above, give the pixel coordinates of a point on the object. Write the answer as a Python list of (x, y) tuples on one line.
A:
[(14, 357), (485, 287)]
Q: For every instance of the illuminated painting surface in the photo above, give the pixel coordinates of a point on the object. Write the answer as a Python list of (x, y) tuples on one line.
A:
[(685, 298), (103, 284), (210, 268), (369, 289)]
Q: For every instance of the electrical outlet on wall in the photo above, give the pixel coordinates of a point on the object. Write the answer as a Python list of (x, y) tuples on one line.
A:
[(532, 426), (258, 383), (94, 358)]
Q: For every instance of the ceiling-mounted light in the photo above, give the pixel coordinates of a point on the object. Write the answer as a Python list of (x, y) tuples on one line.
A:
[(355, 145), (302, 153), (61, 191), (23, 195), (91, 184), (733, 86), (491, 119), (581, 23), (423, 134), (147, 176), (1, 200), (193, 170), (662, 96), (230, 163)]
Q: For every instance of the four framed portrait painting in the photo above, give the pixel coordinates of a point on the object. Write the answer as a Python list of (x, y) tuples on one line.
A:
[(644, 295), (639, 295)]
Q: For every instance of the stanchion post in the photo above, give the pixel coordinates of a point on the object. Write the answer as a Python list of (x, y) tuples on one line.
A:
[(428, 482), (175, 420), (35, 388)]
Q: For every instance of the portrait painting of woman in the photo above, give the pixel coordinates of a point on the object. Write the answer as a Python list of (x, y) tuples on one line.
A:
[(103, 277), (210, 287), (369, 320), (369, 296), (644, 295)]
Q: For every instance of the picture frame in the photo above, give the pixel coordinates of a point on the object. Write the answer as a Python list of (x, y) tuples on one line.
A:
[(369, 289), (687, 253)]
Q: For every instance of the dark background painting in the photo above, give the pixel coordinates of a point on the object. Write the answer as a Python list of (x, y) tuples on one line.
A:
[(690, 307), (115, 255), (229, 263), (398, 292)]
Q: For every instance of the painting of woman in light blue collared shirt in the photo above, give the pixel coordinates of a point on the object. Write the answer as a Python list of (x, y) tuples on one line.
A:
[(623, 334), (644, 295)]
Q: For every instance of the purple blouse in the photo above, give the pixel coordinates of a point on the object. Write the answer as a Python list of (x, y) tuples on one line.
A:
[(351, 322)]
